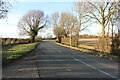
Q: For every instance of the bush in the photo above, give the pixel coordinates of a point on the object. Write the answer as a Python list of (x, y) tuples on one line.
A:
[(104, 44), (115, 47), (8, 41), (109, 45), (14, 41), (66, 40)]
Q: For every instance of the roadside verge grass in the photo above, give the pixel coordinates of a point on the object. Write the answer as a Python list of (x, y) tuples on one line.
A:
[(16, 51), (93, 52)]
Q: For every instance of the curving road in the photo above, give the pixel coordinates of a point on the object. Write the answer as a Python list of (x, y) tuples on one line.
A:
[(49, 60)]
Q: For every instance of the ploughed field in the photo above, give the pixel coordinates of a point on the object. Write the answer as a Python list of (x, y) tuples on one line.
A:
[(88, 43)]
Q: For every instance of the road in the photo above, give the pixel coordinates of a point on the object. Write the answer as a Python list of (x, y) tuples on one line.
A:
[(49, 60)]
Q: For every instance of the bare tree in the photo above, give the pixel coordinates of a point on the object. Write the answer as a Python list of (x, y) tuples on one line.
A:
[(100, 12), (69, 23), (31, 23), (4, 8), (65, 25), (58, 30), (55, 18), (103, 13), (114, 19), (114, 25), (81, 16), (82, 21)]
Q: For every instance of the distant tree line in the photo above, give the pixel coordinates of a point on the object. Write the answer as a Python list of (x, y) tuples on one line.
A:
[(87, 36)]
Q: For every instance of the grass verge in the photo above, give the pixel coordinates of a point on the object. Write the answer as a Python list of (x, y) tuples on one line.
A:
[(93, 52), (16, 51)]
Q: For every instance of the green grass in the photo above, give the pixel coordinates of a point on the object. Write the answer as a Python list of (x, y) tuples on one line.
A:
[(16, 51)]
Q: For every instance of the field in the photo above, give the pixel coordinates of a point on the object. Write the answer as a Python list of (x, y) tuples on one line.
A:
[(88, 43)]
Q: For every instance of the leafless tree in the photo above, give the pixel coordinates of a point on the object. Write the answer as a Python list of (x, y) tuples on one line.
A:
[(82, 21), (55, 18), (103, 13), (100, 12), (4, 8), (58, 30), (114, 20), (69, 23), (65, 25), (81, 16), (31, 23), (114, 28)]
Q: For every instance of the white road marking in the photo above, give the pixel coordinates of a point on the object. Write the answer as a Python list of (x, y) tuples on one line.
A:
[(57, 49), (93, 67), (97, 60), (68, 70)]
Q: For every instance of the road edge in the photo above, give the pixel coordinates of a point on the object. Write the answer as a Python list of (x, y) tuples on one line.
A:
[(78, 49)]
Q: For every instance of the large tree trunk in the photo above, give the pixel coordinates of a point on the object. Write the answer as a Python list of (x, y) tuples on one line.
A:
[(70, 40), (70, 37), (103, 30), (33, 34), (32, 38), (59, 39), (77, 40)]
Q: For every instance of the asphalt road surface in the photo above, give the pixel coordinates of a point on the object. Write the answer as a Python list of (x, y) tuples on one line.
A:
[(49, 60)]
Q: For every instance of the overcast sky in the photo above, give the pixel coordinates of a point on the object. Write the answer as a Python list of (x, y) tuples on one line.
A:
[(9, 28)]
